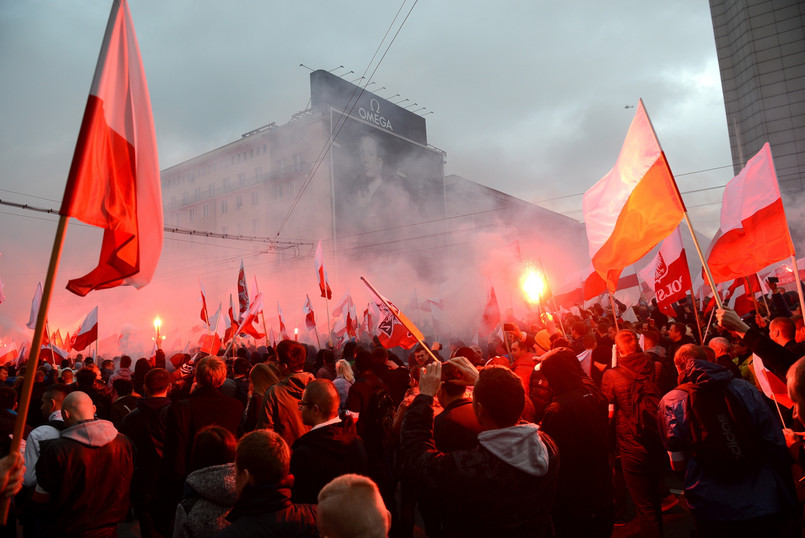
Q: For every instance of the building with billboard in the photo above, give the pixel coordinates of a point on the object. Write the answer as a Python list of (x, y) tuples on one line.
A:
[(355, 171)]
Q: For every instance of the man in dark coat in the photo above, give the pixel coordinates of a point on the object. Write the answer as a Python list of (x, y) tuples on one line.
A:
[(576, 419), (206, 406), (331, 448), (503, 487), (85, 474), (264, 506)]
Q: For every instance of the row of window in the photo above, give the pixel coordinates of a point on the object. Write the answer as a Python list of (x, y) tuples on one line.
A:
[(279, 191), (215, 165)]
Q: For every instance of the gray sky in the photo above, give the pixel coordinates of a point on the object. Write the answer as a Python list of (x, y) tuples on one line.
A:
[(527, 97)]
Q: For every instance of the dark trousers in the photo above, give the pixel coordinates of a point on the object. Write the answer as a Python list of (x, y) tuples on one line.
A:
[(644, 475)]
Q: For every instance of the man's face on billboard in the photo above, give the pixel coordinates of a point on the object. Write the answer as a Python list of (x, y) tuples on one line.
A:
[(370, 159)]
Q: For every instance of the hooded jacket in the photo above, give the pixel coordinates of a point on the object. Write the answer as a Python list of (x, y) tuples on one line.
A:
[(766, 492), (504, 487), (87, 472), (323, 454), (267, 510), (209, 496), (280, 408)]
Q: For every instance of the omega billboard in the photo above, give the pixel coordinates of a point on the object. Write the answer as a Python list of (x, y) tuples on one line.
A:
[(386, 181)]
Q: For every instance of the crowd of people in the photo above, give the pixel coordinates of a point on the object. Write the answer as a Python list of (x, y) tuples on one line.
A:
[(545, 432)]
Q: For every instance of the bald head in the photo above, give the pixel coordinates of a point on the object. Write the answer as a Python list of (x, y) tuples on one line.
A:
[(721, 346), (322, 392), (77, 406), (350, 506)]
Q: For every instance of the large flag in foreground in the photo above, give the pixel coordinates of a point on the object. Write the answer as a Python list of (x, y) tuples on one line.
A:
[(668, 273), (114, 178), (635, 206), (754, 231)]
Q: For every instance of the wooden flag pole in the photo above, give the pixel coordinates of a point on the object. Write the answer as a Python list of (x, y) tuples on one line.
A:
[(751, 293), (709, 323), (799, 285), (414, 332), (614, 309), (33, 354)]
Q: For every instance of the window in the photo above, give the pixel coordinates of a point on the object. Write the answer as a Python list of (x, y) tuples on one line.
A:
[(192, 215), (239, 201), (258, 173), (197, 193), (255, 197), (254, 226), (226, 183), (241, 179), (224, 205), (205, 211), (211, 190), (223, 230)]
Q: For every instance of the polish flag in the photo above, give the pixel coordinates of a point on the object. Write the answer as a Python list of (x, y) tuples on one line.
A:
[(52, 354), (35, 307), (211, 343), (491, 315), (272, 337), (114, 177), (243, 293), (251, 315), (667, 274), (8, 354), (283, 330), (204, 315), (231, 324), (58, 341), (593, 285), (88, 332), (310, 318), (321, 274), (754, 231), (635, 206)]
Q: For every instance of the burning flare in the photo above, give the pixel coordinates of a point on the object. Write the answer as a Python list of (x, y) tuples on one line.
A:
[(533, 284)]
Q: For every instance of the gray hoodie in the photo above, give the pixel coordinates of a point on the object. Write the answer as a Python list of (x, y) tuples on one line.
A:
[(520, 446), (92, 433)]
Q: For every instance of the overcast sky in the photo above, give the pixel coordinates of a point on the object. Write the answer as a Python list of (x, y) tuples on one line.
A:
[(527, 97)]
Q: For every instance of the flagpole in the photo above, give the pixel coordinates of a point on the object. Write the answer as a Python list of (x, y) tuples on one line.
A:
[(329, 329), (394, 313), (696, 314), (799, 285), (614, 310), (763, 294), (262, 312), (709, 323), (752, 295), (50, 342), (33, 354)]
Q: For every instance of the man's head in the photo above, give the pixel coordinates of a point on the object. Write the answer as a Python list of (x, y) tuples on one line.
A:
[(241, 367), (3, 374), (687, 353), (371, 156), (651, 338), (53, 398), (627, 342), (578, 329), (67, 376), (157, 382), (421, 356), (125, 361), (291, 356), (122, 387), (211, 372), (77, 406), (108, 364), (782, 330), (721, 346), (262, 457), (518, 349), (350, 506), (676, 331), (498, 398), (799, 336), (795, 380), (319, 402)]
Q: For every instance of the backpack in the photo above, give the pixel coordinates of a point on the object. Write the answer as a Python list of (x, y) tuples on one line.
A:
[(724, 440), (378, 431), (646, 397)]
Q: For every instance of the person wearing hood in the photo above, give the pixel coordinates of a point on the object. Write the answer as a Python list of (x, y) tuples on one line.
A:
[(85, 475), (331, 448), (643, 463), (505, 486), (279, 409), (759, 498), (576, 419)]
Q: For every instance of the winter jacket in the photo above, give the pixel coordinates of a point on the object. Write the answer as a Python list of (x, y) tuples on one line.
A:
[(87, 472), (323, 454), (504, 487), (267, 510), (456, 427), (209, 496), (767, 491), (280, 408)]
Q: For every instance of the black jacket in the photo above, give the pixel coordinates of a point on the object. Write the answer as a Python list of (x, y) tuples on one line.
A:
[(323, 454), (267, 510)]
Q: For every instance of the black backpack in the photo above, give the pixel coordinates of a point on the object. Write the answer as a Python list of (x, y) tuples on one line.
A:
[(379, 419), (646, 397), (724, 440)]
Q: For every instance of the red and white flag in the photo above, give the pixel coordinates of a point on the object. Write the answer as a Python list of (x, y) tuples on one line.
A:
[(593, 285), (272, 337), (754, 231), (391, 332), (283, 330), (114, 177), (635, 206), (2, 297), (243, 293), (310, 318), (321, 274), (8, 354), (231, 324), (205, 317), (667, 274), (35, 307), (246, 325), (58, 341), (52, 354), (491, 315), (210, 343), (87, 332)]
